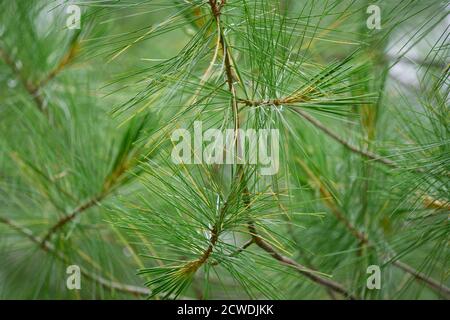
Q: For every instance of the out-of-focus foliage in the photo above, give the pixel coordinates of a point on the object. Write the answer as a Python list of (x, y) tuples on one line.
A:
[(86, 176)]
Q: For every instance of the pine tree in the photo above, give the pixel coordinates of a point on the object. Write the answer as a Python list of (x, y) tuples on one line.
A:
[(357, 90)]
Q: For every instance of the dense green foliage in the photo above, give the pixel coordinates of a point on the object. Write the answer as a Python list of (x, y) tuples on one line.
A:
[(86, 176)]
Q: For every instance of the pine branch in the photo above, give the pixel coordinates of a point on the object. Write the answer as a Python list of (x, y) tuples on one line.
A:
[(49, 248), (94, 201), (308, 262), (363, 238), (216, 10), (127, 157), (308, 272), (260, 50), (429, 201)]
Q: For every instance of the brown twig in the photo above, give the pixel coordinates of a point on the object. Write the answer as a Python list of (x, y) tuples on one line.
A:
[(432, 203), (309, 273), (439, 288), (308, 262), (331, 134), (230, 78), (274, 102), (78, 210), (193, 266), (237, 251)]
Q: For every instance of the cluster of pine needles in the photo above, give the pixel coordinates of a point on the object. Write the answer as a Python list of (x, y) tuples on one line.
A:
[(87, 179)]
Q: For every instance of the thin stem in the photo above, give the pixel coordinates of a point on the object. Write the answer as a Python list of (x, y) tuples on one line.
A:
[(438, 287), (333, 135), (290, 102), (77, 211), (237, 251), (309, 273), (216, 10), (194, 265), (212, 243)]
